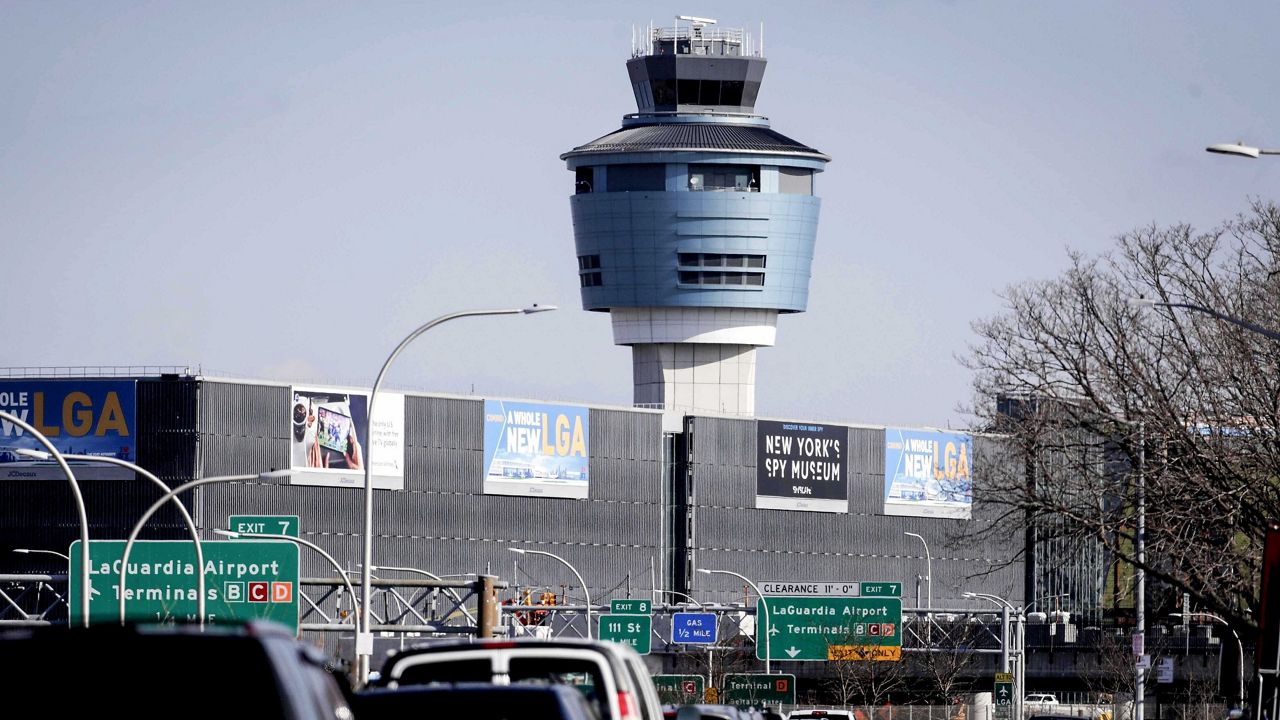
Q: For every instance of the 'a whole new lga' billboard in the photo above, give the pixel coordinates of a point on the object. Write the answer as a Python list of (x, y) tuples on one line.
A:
[(536, 449), (928, 473), (77, 416)]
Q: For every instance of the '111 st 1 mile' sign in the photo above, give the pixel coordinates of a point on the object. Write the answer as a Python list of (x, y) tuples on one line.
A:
[(244, 580), (831, 628)]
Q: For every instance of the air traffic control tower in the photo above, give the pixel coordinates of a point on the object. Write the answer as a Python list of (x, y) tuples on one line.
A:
[(695, 222)]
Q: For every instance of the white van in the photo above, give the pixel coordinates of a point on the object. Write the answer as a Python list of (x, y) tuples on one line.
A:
[(612, 676)]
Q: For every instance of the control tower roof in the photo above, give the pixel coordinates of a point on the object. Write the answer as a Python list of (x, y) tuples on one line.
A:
[(696, 137)]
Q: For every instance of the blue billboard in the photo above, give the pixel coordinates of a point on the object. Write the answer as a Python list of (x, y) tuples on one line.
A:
[(536, 449), (81, 417), (927, 473)]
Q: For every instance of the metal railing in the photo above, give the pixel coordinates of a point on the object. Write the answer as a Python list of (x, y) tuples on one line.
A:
[(90, 371)]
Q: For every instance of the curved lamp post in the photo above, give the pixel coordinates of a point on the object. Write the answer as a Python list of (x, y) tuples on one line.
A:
[(433, 576), (928, 560), (1258, 329), (364, 637), (182, 510), (1240, 149), (32, 551), (167, 497), (1239, 646), (691, 598), (75, 493), (522, 551), (1007, 609), (297, 541), (763, 604)]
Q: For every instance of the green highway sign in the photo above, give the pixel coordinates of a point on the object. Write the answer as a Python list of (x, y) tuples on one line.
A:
[(882, 589), (268, 524), (680, 689), (830, 628), (633, 630), (245, 580), (631, 607), (757, 689), (1003, 695)]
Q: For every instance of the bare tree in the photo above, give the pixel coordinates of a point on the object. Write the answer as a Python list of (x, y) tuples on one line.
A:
[(1095, 393), (949, 661), (866, 674)]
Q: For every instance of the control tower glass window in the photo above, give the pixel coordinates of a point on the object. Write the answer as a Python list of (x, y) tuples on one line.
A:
[(638, 176), (795, 181), (584, 180), (733, 178)]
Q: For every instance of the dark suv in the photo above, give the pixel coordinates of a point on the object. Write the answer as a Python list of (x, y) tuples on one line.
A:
[(258, 671)]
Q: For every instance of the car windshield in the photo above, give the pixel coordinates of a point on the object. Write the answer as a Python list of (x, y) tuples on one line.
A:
[(584, 675)]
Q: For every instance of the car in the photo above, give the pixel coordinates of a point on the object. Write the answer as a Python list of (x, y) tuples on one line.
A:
[(612, 676), (705, 711), (820, 714), (1040, 699), (483, 700), (165, 671)]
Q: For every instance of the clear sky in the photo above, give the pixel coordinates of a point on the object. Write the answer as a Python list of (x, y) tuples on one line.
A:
[(284, 191)]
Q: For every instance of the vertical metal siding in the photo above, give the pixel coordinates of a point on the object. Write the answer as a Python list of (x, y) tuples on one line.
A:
[(862, 544)]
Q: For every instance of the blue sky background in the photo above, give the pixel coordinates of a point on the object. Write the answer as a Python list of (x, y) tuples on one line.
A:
[(285, 190)]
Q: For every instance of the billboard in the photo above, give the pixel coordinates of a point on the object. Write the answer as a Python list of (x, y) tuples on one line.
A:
[(802, 467), (331, 438), (536, 449), (81, 417), (927, 473)]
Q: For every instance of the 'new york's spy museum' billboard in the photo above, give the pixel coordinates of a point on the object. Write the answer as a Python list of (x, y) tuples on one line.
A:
[(927, 473), (536, 449), (802, 467), (81, 417)]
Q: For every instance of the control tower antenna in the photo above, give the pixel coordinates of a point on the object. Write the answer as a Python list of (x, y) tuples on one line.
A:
[(695, 222)]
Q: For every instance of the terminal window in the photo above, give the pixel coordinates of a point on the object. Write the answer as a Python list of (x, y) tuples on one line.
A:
[(584, 180), (730, 178)]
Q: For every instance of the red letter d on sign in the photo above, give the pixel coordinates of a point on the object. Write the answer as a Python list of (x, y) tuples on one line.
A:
[(282, 592)]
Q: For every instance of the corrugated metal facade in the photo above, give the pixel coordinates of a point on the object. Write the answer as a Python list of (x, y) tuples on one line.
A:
[(729, 533), (633, 523), (442, 521)]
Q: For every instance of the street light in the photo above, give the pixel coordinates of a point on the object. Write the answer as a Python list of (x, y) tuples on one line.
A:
[(587, 593), (1152, 302), (167, 497), (1044, 597), (182, 510), (928, 572), (297, 541), (1239, 646), (364, 637), (25, 551), (1019, 645), (691, 598), (763, 604), (79, 499), (1239, 148), (433, 576)]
